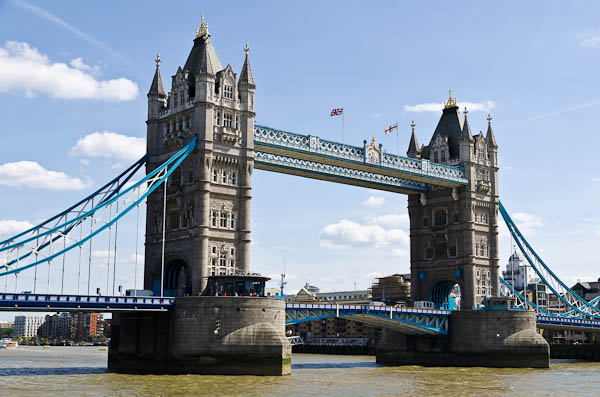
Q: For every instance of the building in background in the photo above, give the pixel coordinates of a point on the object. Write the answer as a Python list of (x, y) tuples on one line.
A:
[(6, 324), (27, 326), (392, 290), (518, 273), (588, 290), (57, 326)]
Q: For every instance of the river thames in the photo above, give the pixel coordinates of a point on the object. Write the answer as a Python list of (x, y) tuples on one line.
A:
[(81, 371)]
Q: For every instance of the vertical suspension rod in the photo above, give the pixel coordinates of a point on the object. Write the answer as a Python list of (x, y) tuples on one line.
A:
[(90, 257), (162, 268), (115, 251)]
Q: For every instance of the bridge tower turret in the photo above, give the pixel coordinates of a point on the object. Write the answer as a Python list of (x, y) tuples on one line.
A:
[(207, 214), (454, 231)]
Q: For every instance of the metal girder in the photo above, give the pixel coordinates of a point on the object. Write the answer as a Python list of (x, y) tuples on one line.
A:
[(406, 320), (83, 303)]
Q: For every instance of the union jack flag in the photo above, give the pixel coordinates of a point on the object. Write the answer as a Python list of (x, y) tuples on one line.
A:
[(337, 112), (391, 128)]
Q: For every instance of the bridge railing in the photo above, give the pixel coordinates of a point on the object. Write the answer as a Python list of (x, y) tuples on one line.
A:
[(374, 308), (55, 298)]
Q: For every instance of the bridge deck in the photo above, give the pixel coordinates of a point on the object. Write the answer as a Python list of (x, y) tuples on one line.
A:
[(83, 303), (313, 157)]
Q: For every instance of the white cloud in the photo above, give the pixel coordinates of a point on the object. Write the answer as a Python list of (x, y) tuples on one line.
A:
[(32, 175), (347, 234), (590, 40), (595, 179), (23, 69), (485, 106), (391, 220), (399, 252), (11, 227), (373, 201), (111, 145), (598, 232), (78, 64)]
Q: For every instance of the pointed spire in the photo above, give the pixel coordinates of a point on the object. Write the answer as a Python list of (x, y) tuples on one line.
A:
[(489, 136), (413, 146), (246, 74), (466, 132), (157, 86)]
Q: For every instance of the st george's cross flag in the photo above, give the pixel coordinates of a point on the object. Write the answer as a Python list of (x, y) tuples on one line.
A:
[(337, 112), (391, 128)]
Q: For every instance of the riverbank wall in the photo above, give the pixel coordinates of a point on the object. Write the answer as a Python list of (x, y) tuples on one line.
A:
[(203, 335)]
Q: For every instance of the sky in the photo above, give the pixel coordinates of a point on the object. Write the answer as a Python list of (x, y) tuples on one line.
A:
[(74, 77)]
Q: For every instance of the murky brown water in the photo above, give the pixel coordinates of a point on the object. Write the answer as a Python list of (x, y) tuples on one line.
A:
[(81, 371)]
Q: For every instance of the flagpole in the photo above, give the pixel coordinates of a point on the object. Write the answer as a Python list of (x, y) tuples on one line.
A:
[(398, 137), (342, 125)]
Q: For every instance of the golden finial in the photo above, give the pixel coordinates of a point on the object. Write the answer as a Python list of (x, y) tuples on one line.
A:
[(247, 49), (451, 102), (203, 29), (373, 141)]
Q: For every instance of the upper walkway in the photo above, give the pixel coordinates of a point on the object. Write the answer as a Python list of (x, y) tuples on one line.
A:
[(367, 166)]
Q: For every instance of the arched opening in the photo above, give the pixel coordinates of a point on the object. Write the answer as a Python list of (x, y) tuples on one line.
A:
[(176, 282), (446, 295), (440, 217)]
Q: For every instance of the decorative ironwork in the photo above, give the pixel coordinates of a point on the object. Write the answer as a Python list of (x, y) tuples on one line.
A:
[(336, 171), (313, 145)]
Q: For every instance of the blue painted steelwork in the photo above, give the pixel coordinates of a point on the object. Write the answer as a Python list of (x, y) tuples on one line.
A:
[(579, 306), (321, 151), (348, 175), (441, 295), (409, 320), (568, 323), (54, 302), (153, 179)]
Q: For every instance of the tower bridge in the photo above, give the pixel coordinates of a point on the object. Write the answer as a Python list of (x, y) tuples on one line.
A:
[(202, 148)]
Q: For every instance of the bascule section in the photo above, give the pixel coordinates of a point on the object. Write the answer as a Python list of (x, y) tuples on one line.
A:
[(454, 230), (204, 214)]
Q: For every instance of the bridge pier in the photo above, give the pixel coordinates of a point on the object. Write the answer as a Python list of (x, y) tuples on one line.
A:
[(203, 335), (502, 338)]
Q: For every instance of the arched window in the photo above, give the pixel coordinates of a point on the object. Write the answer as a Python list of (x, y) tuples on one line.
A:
[(440, 217), (435, 157), (443, 159)]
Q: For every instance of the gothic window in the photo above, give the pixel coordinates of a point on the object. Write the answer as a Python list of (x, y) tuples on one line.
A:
[(485, 219), (190, 175), (215, 175), (452, 251), (223, 259), (213, 249), (223, 219), (237, 122), (440, 217), (176, 101), (425, 221), (228, 120), (441, 250), (218, 118), (224, 176), (435, 157), (233, 178), (181, 98), (429, 253), (228, 92), (443, 156), (174, 220), (232, 221), (214, 215), (232, 251), (456, 217)]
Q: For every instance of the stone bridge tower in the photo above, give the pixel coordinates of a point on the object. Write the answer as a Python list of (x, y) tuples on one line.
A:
[(454, 231), (208, 196)]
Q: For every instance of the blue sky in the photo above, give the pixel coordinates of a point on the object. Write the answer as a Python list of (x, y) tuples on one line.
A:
[(70, 69)]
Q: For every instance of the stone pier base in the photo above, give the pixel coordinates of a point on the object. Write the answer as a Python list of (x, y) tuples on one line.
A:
[(204, 335), (477, 338)]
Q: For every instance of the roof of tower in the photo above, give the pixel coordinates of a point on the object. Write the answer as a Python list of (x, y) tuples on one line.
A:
[(246, 74), (203, 58), (450, 126), (413, 146), (466, 131), (489, 136), (157, 85)]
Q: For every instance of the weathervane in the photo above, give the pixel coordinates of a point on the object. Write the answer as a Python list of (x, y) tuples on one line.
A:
[(157, 60), (247, 49)]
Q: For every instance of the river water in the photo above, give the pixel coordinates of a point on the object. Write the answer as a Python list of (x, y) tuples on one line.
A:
[(81, 371)]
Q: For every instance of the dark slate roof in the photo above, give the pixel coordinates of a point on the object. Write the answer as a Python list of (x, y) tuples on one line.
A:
[(157, 86), (450, 125), (202, 58), (413, 146), (246, 74)]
